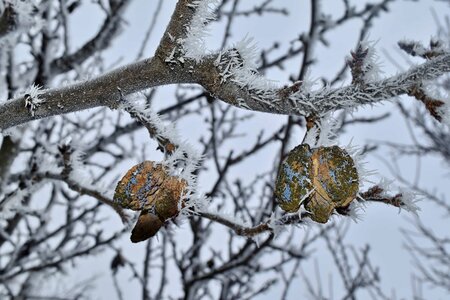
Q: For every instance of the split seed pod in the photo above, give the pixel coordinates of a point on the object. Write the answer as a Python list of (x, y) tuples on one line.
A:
[(321, 178), (148, 188)]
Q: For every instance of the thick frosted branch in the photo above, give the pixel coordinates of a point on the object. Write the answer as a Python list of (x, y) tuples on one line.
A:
[(101, 91), (292, 100)]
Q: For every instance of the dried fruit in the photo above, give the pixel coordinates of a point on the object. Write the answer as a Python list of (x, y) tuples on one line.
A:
[(147, 187), (321, 178), (146, 226), (146, 184)]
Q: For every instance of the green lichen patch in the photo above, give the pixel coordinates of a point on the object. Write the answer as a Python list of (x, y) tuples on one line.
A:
[(147, 187), (337, 175), (294, 179), (138, 186)]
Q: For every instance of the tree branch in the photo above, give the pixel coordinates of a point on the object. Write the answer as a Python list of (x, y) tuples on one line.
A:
[(148, 73)]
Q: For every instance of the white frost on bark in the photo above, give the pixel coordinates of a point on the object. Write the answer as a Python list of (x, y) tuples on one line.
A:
[(238, 65), (193, 44), (323, 134), (33, 98)]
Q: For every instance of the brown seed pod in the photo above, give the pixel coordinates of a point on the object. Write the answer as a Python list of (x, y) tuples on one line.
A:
[(325, 178), (147, 187), (138, 187), (146, 226), (147, 183)]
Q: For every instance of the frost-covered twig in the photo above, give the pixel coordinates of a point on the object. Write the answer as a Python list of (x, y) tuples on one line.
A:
[(77, 179), (165, 135), (57, 259), (363, 64), (89, 191), (271, 225), (436, 107), (430, 251), (102, 40), (404, 199), (413, 48)]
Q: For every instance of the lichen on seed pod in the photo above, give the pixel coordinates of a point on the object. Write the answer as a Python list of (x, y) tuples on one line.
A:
[(147, 183), (337, 173), (147, 187), (136, 188), (329, 180), (294, 179)]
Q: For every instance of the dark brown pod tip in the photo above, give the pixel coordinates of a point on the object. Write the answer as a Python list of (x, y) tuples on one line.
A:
[(146, 226)]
